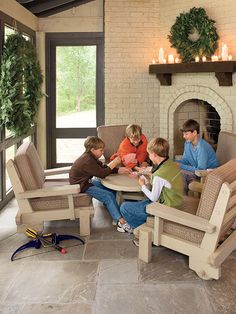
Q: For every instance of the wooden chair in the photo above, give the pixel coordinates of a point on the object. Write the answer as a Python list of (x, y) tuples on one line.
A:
[(204, 236), (45, 199), (112, 136), (226, 150)]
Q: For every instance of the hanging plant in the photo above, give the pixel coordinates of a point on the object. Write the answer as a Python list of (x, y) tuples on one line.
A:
[(194, 34), (20, 85)]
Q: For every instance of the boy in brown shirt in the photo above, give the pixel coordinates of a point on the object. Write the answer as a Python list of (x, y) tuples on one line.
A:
[(88, 166)]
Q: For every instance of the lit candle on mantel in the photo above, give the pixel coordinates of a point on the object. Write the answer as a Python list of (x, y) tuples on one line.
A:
[(161, 56), (224, 52), (176, 60), (197, 59), (170, 59), (214, 58), (153, 61), (230, 58), (164, 61), (204, 59)]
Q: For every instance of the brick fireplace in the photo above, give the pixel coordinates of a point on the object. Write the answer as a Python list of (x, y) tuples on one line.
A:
[(188, 91), (205, 114)]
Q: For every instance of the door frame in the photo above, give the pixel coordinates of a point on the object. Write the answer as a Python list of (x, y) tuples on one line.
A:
[(70, 39)]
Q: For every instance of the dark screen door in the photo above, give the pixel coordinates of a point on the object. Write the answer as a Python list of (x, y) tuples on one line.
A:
[(74, 67)]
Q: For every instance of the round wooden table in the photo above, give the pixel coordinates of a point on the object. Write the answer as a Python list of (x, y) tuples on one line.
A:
[(127, 186)]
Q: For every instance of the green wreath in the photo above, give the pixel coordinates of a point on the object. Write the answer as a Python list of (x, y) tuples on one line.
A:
[(194, 34), (20, 85)]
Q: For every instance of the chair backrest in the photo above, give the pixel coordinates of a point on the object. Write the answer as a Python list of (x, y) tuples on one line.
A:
[(214, 180), (29, 166), (226, 147), (112, 135)]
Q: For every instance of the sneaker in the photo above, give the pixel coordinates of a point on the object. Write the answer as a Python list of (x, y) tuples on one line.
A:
[(124, 227), (136, 242)]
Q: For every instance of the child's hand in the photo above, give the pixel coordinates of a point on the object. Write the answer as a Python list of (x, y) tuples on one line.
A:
[(124, 170), (114, 163), (130, 158), (117, 161), (145, 170), (144, 164), (134, 174), (141, 180)]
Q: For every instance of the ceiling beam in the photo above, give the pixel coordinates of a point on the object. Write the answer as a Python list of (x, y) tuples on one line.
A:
[(61, 8), (38, 6), (24, 1), (44, 8)]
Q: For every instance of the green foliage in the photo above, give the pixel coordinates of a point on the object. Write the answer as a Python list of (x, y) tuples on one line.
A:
[(186, 23), (76, 78), (20, 85)]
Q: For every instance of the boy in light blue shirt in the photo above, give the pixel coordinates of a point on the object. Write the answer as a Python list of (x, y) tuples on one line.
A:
[(198, 154)]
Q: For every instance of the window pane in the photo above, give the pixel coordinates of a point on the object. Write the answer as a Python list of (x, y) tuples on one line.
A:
[(27, 37), (10, 153), (68, 150), (27, 139), (8, 31), (1, 181), (76, 86), (8, 133)]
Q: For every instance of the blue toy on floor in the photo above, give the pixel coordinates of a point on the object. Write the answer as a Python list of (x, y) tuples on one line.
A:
[(50, 239)]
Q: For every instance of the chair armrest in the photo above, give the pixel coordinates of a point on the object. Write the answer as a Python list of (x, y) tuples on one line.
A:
[(54, 191), (203, 173), (195, 186), (181, 217), (54, 171)]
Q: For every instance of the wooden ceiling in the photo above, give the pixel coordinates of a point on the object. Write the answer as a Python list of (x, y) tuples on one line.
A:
[(43, 8)]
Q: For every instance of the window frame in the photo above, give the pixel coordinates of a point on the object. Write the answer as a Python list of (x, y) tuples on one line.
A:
[(7, 142)]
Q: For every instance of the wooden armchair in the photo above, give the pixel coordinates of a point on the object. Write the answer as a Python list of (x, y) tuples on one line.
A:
[(226, 150), (203, 237), (40, 199), (112, 135)]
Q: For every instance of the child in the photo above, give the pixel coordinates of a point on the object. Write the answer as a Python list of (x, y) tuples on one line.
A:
[(198, 154), (133, 149), (87, 166), (166, 181)]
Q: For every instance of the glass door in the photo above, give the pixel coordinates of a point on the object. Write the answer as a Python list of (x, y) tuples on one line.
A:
[(75, 100)]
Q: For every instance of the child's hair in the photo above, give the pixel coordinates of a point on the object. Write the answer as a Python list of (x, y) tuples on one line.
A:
[(93, 142), (159, 146), (133, 131), (190, 126)]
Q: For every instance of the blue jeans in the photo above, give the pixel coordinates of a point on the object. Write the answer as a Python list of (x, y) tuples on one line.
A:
[(106, 196), (188, 177), (134, 212)]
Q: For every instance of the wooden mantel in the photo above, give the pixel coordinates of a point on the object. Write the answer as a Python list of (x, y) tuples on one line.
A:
[(223, 70)]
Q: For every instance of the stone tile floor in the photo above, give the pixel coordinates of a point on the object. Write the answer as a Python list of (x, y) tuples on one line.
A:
[(104, 276)]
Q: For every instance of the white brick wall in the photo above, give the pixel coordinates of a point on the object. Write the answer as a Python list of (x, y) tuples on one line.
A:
[(131, 40), (134, 32)]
